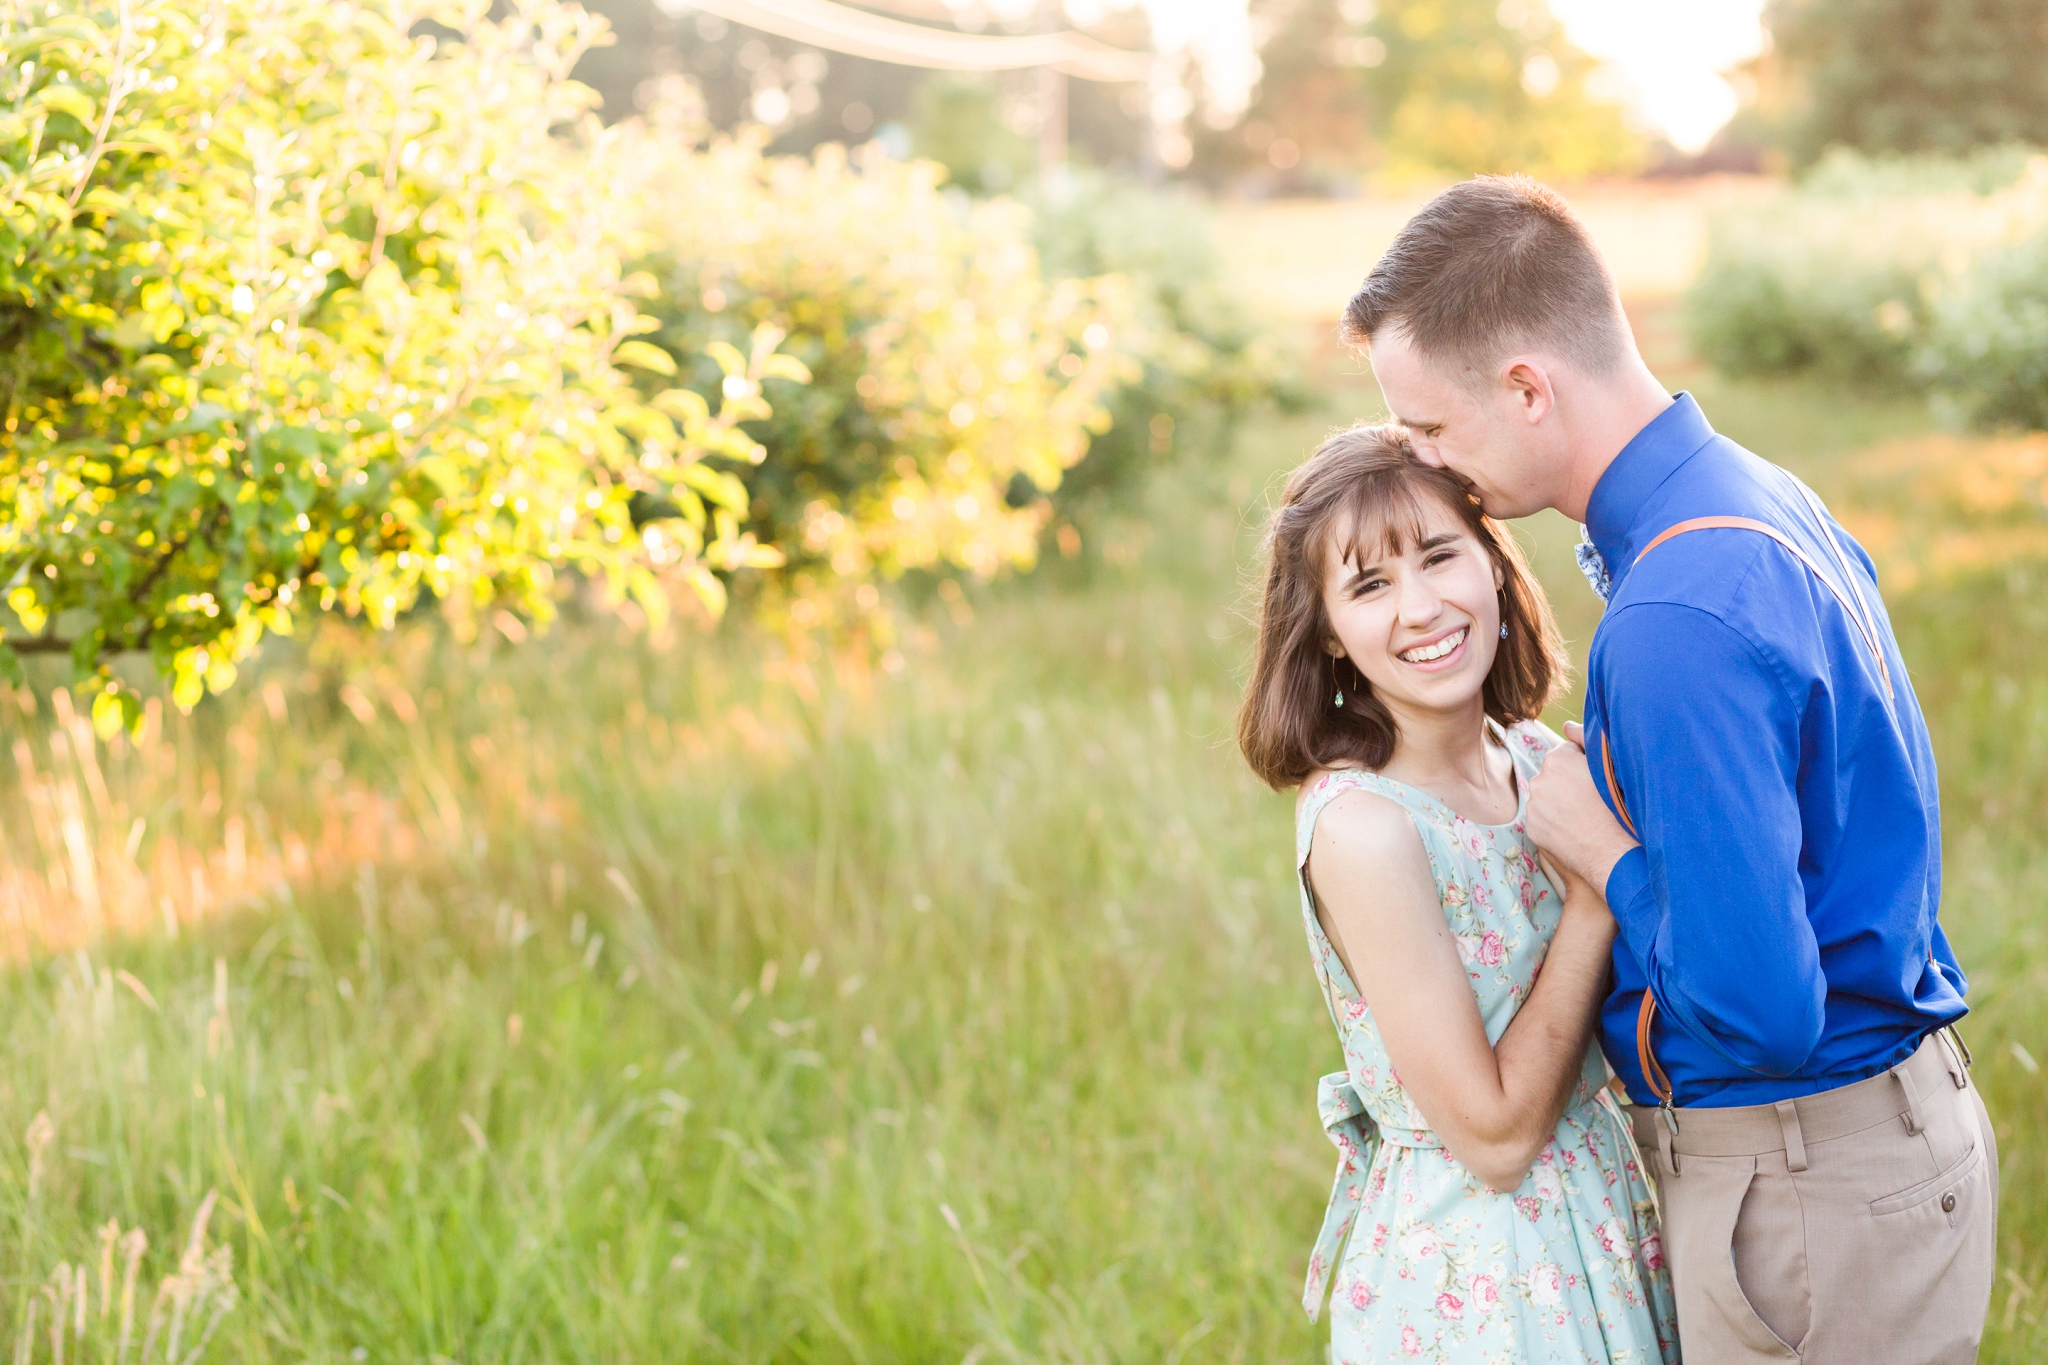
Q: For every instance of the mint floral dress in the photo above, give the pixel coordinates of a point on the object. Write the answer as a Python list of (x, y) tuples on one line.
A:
[(1568, 1268)]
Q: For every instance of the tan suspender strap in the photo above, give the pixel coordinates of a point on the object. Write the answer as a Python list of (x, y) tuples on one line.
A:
[(1646, 1056), (1654, 1074), (1858, 611)]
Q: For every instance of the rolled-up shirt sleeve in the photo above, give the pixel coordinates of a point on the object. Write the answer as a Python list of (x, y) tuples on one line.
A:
[(1706, 737)]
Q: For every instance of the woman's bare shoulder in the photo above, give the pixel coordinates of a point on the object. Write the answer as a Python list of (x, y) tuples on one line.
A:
[(1366, 828)]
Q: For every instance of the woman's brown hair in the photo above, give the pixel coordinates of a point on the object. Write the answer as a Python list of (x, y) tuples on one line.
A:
[(1366, 482)]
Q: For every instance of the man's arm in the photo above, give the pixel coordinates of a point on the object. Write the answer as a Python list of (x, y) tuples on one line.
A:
[(1705, 742)]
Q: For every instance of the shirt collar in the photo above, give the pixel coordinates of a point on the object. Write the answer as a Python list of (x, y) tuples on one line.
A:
[(1671, 438)]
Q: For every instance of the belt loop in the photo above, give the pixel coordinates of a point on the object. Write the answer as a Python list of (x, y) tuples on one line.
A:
[(1795, 1141), (1667, 1128), (1957, 1070), (1915, 1124)]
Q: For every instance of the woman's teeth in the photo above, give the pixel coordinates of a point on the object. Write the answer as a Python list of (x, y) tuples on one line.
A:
[(1430, 653)]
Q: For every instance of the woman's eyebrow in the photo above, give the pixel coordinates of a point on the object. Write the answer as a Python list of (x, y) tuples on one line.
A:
[(1432, 542)]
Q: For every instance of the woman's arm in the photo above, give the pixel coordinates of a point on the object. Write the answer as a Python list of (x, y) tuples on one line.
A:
[(1494, 1106)]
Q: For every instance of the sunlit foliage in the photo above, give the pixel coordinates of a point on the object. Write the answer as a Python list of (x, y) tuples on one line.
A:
[(306, 308), (954, 383)]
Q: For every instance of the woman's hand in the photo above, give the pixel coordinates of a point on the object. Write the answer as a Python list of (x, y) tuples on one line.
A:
[(1568, 820)]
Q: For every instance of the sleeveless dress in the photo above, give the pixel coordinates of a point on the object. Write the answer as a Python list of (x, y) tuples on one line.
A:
[(1568, 1268)]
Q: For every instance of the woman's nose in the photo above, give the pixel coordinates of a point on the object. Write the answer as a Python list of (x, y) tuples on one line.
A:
[(1420, 603)]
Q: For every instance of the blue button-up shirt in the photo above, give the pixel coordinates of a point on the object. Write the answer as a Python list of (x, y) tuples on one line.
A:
[(1782, 905)]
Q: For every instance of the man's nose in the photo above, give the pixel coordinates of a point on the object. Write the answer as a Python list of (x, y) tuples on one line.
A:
[(1426, 452)]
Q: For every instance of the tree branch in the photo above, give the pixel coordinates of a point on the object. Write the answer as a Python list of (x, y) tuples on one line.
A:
[(38, 644)]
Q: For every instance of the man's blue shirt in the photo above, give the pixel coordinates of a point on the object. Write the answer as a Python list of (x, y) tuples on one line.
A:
[(1783, 904)]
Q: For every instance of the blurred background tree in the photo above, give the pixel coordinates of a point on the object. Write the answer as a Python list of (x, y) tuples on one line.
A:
[(1906, 76), (1421, 88)]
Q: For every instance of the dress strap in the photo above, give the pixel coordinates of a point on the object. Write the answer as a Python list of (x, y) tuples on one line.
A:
[(1357, 1138)]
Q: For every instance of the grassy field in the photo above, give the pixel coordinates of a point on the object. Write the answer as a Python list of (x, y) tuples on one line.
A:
[(578, 1001)]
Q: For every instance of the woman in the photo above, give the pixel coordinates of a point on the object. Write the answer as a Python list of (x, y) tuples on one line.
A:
[(1495, 1206)]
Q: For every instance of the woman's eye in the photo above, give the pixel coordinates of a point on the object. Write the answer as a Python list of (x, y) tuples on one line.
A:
[(1441, 557)]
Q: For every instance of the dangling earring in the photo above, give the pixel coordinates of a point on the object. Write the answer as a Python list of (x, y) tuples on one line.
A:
[(1333, 678), (1503, 630)]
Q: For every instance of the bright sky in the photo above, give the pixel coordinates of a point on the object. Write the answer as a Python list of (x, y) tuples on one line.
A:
[(1667, 55)]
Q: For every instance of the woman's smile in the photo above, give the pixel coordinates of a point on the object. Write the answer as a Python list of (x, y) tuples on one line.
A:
[(1444, 652)]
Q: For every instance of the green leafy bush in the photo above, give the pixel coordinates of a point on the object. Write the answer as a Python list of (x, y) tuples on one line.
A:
[(1988, 354), (957, 381), (300, 311), (1205, 358), (1891, 273), (307, 311), (1113, 297)]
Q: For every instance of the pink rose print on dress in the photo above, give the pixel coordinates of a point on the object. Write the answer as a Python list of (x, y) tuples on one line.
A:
[(1528, 894), (1361, 1295), (1411, 1342), (1546, 1283), (1482, 897), (1652, 1250), (1379, 1236), (1491, 949), (1485, 1294), (1421, 1243), (1450, 1307), (1454, 895), (1613, 1240)]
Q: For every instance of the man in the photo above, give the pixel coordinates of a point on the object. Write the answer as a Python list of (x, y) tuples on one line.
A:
[(1827, 1174)]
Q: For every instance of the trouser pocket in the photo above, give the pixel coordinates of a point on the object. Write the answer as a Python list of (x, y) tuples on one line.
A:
[(1903, 1228), (1704, 1209)]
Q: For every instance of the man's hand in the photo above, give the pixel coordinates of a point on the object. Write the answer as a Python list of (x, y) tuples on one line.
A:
[(1568, 820)]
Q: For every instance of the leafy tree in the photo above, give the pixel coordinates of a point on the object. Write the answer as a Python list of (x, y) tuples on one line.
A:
[(1427, 87), (302, 311), (1914, 75)]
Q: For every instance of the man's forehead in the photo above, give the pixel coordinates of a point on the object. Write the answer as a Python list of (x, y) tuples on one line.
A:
[(1413, 392)]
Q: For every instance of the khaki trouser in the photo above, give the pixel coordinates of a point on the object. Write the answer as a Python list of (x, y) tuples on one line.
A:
[(1853, 1227)]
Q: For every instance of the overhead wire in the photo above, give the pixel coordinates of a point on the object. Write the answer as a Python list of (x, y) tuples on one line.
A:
[(859, 33)]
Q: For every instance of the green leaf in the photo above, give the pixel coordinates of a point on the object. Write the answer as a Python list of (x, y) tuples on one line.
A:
[(686, 406), (64, 99), (781, 366), (728, 357), (114, 711), (644, 355), (717, 486)]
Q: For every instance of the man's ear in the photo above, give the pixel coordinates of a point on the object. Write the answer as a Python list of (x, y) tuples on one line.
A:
[(1529, 381)]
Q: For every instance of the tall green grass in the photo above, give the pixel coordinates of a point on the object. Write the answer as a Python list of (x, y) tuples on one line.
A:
[(583, 1002)]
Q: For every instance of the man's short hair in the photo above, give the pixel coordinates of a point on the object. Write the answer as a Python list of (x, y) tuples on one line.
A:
[(1488, 267)]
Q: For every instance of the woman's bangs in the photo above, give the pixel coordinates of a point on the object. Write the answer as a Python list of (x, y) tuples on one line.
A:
[(1383, 517)]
